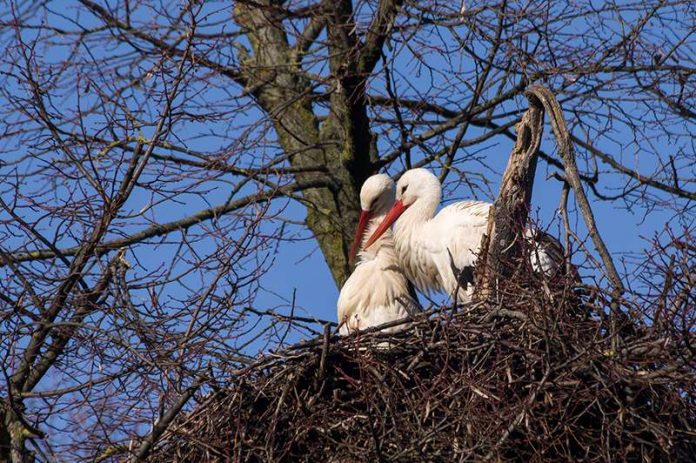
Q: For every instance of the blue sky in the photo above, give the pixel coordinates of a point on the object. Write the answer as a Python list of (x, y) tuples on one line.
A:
[(298, 269)]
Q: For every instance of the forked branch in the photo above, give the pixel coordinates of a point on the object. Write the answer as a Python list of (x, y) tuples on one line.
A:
[(501, 246)]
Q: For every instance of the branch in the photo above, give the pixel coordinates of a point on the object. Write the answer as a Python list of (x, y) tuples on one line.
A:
[(309, 35), (481, 80), (164, 229), (450, 124), (484, 122), (565, 147), (376, 35), (163, 46), (87, 303), (502, 245), (162, 424), (21, 377), (632, 173)]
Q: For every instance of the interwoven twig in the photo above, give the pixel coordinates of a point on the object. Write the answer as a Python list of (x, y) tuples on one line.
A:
[(532, 379)]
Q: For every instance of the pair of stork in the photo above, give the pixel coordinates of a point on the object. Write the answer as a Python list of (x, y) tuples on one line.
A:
[(425, 249)]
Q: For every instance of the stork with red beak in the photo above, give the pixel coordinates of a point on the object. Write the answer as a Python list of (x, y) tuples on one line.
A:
[(377, 291), (430, 246)]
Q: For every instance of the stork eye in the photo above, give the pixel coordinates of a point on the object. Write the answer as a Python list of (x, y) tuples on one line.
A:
[(403, 189)]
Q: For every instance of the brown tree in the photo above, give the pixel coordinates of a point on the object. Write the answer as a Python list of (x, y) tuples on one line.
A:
[(154, 154)]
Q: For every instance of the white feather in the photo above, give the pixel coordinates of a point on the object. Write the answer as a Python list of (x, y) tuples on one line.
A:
[(423, 238), (377, 291)]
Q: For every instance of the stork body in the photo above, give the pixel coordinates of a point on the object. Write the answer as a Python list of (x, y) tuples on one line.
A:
[(377, 291), (430, 245)]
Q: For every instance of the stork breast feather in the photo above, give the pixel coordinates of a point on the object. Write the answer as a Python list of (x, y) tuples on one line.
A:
[(372, 284)]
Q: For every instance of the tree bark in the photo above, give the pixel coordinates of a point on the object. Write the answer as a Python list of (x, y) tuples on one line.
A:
[(13, 436), (4, 437), (501, 247), (343, 142)]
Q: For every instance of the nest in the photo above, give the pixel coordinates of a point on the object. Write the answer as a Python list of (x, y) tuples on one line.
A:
[(536, 376)]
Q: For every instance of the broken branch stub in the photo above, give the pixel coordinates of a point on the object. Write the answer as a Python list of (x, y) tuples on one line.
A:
[(501, 247)]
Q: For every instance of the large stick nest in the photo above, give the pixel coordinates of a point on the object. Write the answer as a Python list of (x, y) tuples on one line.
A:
[(538, 376)]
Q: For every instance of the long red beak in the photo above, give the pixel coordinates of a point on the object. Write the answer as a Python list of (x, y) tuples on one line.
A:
[(397, 209), (365, 217)]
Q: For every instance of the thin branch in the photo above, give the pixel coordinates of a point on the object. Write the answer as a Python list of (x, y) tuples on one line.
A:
[(166, 228), (565, 147), (162, 424), (632, 173)]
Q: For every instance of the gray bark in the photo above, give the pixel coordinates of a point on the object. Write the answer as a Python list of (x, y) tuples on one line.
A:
[(502, 244)]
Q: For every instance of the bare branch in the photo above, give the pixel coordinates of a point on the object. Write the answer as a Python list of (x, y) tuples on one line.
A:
[(176, 225), (565, 147)]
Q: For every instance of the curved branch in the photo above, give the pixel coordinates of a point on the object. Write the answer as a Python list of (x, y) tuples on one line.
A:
[(565, 148), (632, 173)]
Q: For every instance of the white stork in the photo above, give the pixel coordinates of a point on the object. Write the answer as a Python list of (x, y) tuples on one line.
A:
[(377, 291), (431, 247)]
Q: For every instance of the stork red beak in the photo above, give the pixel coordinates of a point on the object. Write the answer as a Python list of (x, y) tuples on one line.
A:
[(397, 209), (365, 217)]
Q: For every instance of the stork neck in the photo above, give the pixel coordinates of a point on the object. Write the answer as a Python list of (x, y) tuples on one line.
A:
[(384, 243), (419, 213)]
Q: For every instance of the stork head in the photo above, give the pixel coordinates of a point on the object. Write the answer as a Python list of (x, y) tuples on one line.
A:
[(415, 186), (376, 198), (377, 194)]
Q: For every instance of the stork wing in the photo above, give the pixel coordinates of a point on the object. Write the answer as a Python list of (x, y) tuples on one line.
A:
[(464, 275), (456, 234)]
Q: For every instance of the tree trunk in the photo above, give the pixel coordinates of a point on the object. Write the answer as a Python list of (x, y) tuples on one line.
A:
[(4, 437), (13, 435), (342, 144)]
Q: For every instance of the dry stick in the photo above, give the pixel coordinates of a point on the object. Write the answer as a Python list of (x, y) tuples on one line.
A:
[(161, 425), (526, 405), (563, 207), (565, 147), (501, 247)]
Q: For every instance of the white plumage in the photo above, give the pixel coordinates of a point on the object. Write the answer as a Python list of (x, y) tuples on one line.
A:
[(423, 239), (377, 292)]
